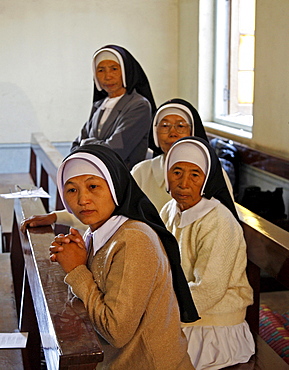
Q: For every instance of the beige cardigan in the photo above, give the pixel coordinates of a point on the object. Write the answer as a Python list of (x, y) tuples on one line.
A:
[(214, 259), (130, 299)]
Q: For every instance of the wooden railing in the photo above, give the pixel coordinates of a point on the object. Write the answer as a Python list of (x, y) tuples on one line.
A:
[(267, 250), (44, 162), (56, 323), (47, 310)]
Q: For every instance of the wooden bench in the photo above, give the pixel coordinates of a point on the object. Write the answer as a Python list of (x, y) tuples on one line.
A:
[(55, 321), (7, 184), (44, 161), (9, 358), (268, 250)]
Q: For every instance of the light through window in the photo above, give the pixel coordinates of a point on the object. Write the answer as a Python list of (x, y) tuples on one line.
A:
[(234, 64)]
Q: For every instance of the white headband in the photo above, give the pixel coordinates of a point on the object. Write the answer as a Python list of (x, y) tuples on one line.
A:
[(188, 151), (83, 164), (79, 167), (107, 54), (168, 109)]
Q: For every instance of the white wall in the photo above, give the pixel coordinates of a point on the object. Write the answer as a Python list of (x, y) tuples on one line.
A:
[(271, 109), (188, 46), (45, 65), (271, 106)]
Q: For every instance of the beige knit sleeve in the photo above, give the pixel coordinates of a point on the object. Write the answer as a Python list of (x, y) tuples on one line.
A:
[(217, 258)]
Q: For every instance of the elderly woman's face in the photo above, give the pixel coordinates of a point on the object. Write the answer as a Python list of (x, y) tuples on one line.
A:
[(90, 199), (185, 181), (171, 128), (108, 74)]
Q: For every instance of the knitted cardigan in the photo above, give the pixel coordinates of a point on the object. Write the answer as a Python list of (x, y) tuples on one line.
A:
[(213, 257), (129, 296)]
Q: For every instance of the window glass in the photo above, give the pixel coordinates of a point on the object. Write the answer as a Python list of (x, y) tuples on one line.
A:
[(234, 63)]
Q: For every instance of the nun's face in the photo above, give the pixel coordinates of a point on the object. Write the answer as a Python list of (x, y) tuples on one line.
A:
[(171, 128), (108, 74), (185, 181), (90, 199)]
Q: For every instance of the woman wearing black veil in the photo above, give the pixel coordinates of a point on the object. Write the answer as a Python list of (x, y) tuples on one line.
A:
[(126, 269), (123, 105)]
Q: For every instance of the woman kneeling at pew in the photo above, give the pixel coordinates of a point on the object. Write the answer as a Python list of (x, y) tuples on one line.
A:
[(203, 218), (126, 268)]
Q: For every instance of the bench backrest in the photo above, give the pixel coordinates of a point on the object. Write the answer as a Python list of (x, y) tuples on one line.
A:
[(45, 305), (44, 162), (267, 250)]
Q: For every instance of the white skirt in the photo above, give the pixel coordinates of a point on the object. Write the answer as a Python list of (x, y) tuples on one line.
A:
[(216, 347)]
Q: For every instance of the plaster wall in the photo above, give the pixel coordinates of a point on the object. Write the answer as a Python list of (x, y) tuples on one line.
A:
[(45, 64), (271, 108), (46, 49)]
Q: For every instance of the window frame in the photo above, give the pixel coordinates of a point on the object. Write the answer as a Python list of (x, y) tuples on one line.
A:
[(222, 65)]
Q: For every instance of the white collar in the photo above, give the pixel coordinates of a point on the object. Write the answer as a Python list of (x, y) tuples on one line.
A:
[(109, 103), (192, 214), (101, 235)]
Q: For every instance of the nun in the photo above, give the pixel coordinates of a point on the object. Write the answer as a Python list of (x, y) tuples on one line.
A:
[(173, 120), (203, 218), (122, 105), (126, 269)]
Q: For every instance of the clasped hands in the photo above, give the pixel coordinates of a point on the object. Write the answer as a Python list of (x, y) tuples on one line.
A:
[(68, 250)]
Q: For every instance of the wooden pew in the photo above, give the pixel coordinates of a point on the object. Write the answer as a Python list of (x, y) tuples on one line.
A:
[(9, 358), (268, 250), (45, 306), (7, 184), (44, 161)]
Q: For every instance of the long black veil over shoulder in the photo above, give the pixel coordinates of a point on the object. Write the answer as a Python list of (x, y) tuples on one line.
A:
[(134, 204)]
